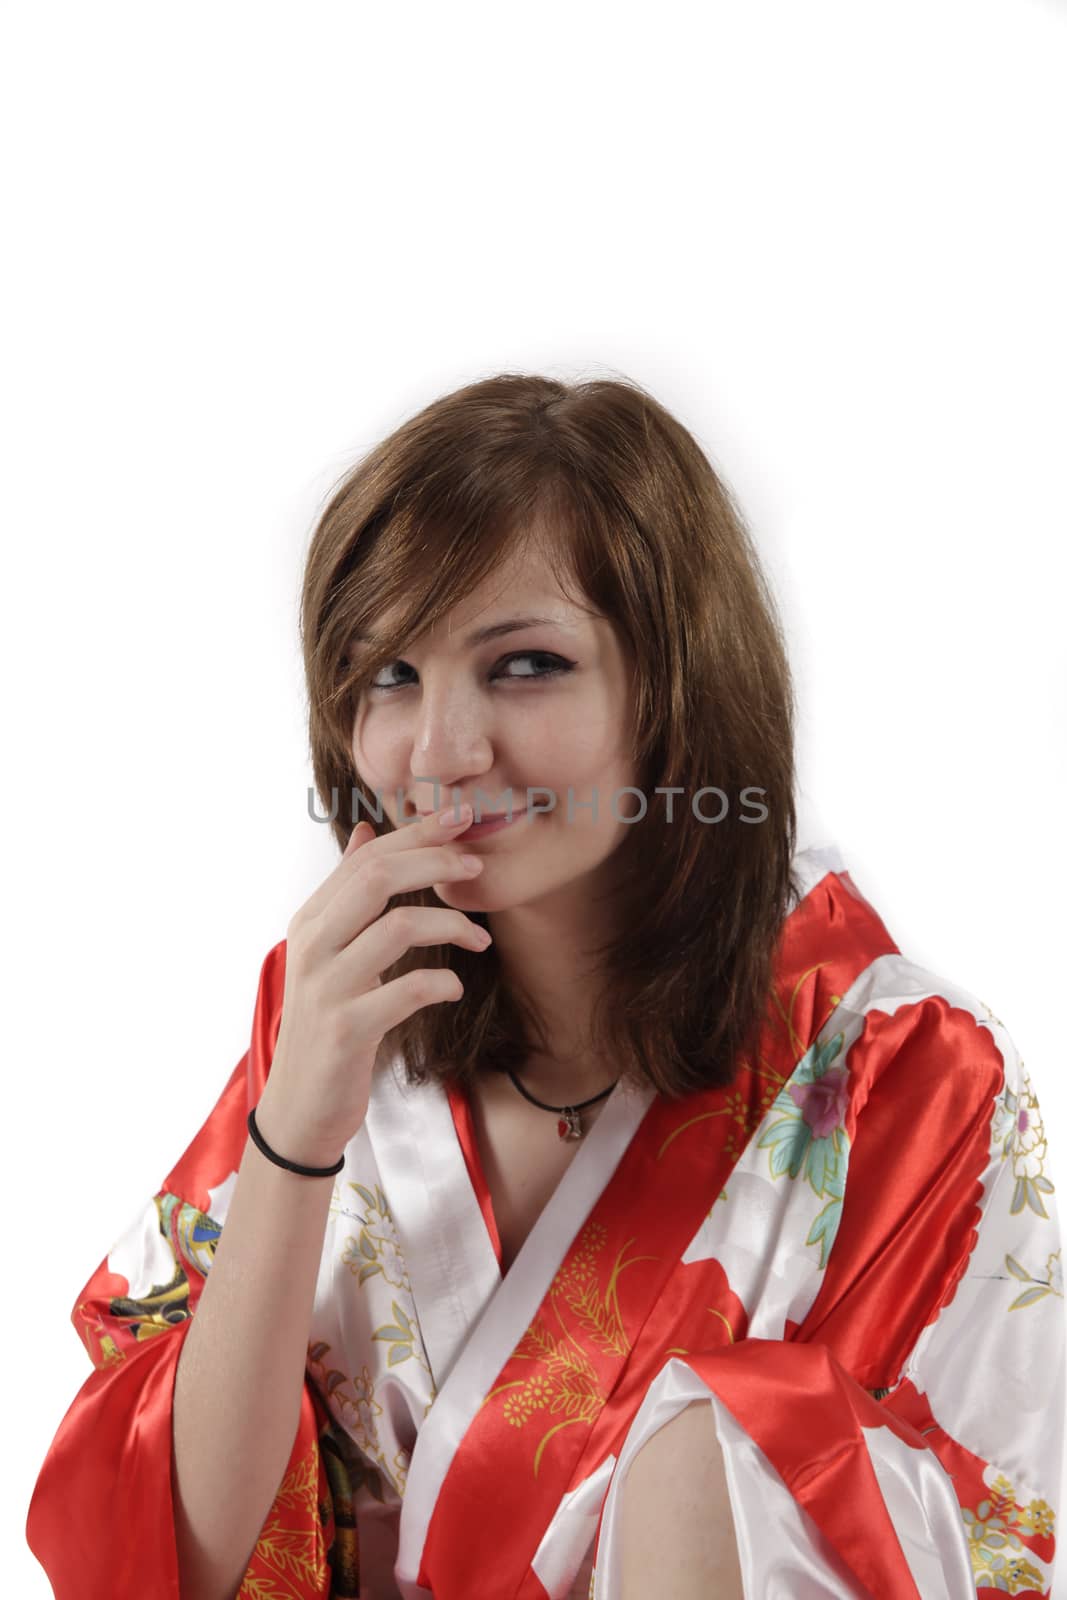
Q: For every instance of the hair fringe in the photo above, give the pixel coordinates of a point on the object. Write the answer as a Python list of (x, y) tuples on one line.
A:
[(646, 530)]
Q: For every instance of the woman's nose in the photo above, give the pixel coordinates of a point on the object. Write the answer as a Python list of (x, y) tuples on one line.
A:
[(451, 738)]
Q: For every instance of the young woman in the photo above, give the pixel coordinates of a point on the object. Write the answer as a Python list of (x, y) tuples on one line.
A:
[(605, 1205)]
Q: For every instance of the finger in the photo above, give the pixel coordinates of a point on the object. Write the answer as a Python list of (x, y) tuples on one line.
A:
[(403, 928), (375, 879), (361, 834), (363, 837), (381, 1009)]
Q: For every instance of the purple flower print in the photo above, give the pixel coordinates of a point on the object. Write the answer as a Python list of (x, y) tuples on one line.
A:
[(822, 1103)]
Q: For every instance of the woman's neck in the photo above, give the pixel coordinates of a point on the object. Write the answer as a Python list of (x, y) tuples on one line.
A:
[(548, 953), (565, 1081)]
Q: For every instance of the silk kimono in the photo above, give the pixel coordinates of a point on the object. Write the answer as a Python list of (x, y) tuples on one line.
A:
[(851, 1255)]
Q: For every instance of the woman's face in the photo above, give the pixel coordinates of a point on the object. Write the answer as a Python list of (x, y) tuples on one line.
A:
[(543, 706)]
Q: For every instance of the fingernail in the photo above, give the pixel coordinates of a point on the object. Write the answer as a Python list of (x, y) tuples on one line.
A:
[(451, 818)]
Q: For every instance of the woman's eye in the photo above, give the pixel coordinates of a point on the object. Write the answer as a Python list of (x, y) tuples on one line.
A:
[(547, 665), (375, 684), (558, 665)]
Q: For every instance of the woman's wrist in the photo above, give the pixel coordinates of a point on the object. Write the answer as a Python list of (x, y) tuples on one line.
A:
[(283, 1133)]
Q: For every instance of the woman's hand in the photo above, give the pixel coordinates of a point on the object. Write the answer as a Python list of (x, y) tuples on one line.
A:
[(335, 1008)]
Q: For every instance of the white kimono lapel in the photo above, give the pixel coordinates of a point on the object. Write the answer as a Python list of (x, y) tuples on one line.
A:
[(438, 1221), (470, 1317)]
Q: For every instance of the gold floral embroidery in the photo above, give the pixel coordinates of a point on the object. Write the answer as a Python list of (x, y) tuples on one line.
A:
[(376, 1249), (374, 1253), (746, 1108), (1052, 1283), (1019, 1129), (401, 1463), (403, 1338), (577, 1281), (291, 1546), (352, 1399), (569, 1386), (164, 1306), (998, 1557)]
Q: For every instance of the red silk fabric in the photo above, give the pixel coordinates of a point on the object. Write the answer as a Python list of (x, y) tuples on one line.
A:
[(917, 1085)]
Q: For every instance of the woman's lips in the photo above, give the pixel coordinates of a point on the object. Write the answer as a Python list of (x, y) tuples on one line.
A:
[(491, 824)]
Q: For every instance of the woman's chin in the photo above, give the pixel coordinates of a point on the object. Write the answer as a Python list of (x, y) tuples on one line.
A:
[(479, 896)]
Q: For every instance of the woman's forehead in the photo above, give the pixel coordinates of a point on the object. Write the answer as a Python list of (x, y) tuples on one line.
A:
[(526, 590)]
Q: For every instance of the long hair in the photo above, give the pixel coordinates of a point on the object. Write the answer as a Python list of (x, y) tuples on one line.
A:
[(653, 539)]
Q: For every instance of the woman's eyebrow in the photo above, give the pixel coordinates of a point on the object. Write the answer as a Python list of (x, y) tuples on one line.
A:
[(493, 631)]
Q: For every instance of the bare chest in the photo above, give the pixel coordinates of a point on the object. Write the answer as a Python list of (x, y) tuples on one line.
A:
[(522, 1156)]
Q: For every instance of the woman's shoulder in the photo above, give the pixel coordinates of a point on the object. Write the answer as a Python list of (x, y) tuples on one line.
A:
[(893, 1039)]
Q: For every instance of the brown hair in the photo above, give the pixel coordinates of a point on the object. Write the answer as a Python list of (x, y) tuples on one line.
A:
[(652, 537)]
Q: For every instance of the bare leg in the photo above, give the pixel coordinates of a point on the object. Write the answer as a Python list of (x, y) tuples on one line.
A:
[(677, 1527)]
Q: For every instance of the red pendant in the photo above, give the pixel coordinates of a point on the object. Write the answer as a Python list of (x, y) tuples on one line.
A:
[(569, 1125)]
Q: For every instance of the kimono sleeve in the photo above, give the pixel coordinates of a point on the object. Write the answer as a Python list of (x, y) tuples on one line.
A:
[(906, 1438), (944, 1291), (101, 1517)]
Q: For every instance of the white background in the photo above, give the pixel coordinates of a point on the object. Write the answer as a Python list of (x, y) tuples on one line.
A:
[(244, 242)]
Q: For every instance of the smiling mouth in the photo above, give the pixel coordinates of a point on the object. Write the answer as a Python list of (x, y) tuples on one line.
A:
[(486, 816), (490, 824)]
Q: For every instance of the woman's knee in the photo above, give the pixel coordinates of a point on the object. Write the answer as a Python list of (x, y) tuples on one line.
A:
[(677, 1525)]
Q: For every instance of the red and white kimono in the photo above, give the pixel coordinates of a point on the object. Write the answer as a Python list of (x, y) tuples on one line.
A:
[(851, 1254)]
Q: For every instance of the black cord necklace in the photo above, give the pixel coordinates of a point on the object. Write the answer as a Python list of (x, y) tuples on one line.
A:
[(569, 1125)]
